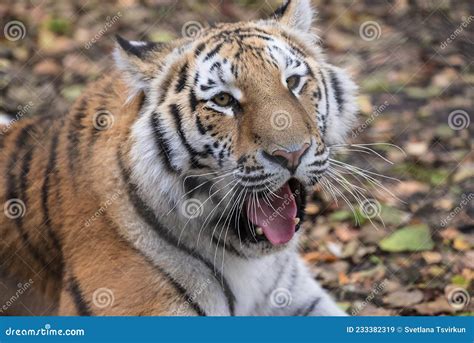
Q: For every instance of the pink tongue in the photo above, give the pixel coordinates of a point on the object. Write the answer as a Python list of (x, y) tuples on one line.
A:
[(278, 219)]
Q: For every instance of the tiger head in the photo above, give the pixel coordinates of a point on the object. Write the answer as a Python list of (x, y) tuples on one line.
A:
[(241, 118)]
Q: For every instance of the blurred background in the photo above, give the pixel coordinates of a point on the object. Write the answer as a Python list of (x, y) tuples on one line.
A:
[(406, 246)]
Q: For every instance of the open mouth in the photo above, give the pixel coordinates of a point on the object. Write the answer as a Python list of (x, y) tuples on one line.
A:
[(274, 216)]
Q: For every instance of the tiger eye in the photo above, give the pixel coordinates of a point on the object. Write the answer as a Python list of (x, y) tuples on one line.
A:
[(223, 99), (292, 82)]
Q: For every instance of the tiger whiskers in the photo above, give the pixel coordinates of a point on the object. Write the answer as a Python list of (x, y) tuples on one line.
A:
[(201, 205), (209, 216), (227, 227), (218, 177), (342, 177)]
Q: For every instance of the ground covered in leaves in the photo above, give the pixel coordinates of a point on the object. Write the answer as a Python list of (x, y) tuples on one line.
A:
[(404, 247)]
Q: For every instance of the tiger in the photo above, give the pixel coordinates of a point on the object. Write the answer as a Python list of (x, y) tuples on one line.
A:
[(176, 184)]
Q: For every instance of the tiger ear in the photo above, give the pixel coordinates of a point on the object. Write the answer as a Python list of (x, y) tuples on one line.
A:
[(297, 14), (140, 61)]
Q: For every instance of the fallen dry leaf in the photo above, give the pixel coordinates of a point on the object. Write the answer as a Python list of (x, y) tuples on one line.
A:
[(403, 298), (439, 305), (432, 257), (317, 256)]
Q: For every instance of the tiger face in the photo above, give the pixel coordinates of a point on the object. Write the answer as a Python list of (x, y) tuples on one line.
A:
[(245, 115)]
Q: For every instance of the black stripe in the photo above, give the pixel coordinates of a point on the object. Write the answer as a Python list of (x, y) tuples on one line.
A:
[(138, 50), (205, 88), (275, 283), (195, 306), (213, 52), (13, 193), (192, 152), (280, 11), (165, 87), (147, 214), (75, 127), (305, 311), (49, 171), (294, 275), (228, 247), (202, 130), (163, 144), (199, 49), (179, 288), (20, 143), (25, 170), (81, 305), (182, 78), (2, 140), (337, 89), (193, 102), (326, 96), (318, 163), (256, 178), (255, 35)]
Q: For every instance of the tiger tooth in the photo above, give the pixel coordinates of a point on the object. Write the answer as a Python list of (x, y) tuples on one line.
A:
[(297, 220), (259, 231)]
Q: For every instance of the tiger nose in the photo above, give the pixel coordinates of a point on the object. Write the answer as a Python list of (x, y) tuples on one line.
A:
[(289, 159)]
